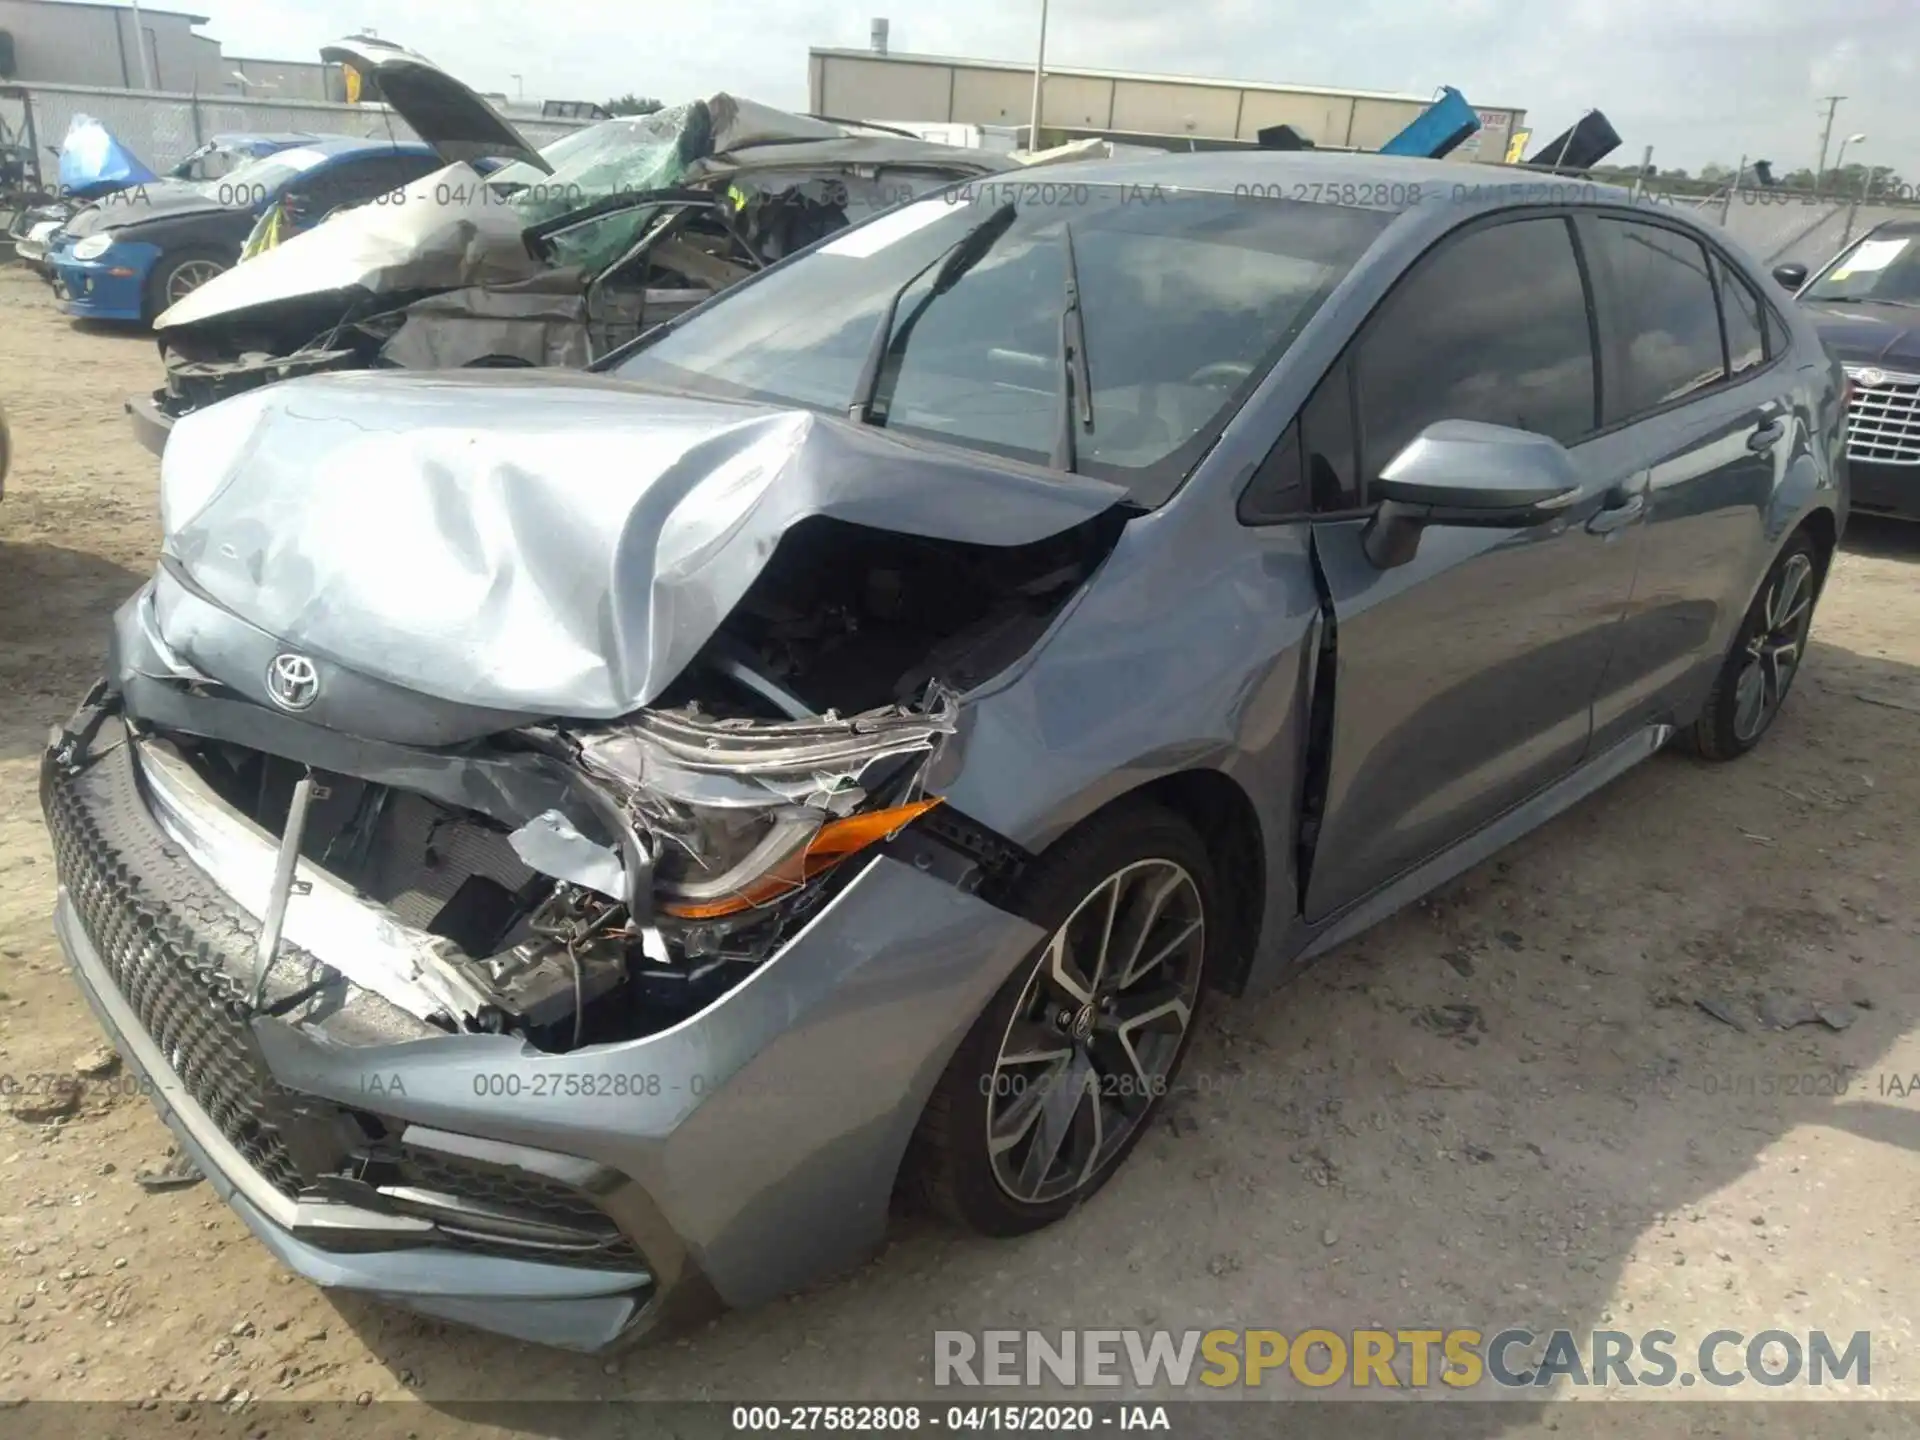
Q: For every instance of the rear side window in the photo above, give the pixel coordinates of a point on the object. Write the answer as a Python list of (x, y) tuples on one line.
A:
[(1494, 326), (1669, 325), (1745, 320)]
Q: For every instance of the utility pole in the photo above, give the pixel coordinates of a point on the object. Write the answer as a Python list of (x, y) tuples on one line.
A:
[(140, 44), (1039, 73), (1826, 134)]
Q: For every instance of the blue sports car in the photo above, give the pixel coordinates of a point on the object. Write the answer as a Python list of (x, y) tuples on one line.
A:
[(93, 164), (134, 253)]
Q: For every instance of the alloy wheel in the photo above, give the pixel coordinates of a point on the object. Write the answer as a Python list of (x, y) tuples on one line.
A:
[(1095, 1034), (1773, 654), (189, 276)]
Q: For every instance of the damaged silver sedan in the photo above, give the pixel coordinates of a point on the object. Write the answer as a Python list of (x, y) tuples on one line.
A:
[(555, 258), (569, 849)]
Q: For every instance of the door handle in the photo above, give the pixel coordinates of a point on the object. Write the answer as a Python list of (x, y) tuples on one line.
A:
[(1767, 436), (1618, 517)]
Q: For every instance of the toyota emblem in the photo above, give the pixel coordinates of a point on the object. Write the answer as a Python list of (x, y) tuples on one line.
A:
[(292, 682)]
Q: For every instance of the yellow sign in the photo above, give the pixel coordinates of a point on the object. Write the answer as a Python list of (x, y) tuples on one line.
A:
[(353, 84), (1517, 146)]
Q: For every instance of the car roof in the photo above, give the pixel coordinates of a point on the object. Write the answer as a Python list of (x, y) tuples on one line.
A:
[(1230, 171), (263, 137), (336, 145)]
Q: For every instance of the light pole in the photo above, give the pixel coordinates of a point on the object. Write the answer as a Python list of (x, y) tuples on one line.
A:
[(1039, 71), (1826, 134), (519, 87), (1840, 160)]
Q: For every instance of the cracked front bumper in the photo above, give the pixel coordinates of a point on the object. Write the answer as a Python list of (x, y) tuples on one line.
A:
[(744, 1152)]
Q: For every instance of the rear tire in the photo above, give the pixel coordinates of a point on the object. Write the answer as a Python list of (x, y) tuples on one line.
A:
[(1767, 653), (1041, 1065)]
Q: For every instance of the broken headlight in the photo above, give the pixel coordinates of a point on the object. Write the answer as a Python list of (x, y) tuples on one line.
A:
[(742, 813), (729, 861)]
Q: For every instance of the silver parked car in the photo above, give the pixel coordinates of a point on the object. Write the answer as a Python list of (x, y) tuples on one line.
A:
[(565, 848)]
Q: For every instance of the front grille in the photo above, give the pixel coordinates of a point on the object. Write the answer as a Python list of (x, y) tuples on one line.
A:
[(194, 1011), (160, 929), (1883, 423)]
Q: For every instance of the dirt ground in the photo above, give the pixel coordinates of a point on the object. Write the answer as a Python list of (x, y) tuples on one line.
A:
[(1594, 1148)]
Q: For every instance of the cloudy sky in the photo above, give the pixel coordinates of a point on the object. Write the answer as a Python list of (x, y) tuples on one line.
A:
[(1700, 80)]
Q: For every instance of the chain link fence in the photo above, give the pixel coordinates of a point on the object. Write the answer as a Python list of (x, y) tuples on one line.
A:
[(164, 129)]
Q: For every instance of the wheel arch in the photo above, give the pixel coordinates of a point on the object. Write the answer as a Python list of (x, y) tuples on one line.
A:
[(1227, 823), (1822, 526)]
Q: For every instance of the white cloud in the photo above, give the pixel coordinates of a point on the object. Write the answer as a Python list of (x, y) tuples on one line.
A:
[(1700, 80)]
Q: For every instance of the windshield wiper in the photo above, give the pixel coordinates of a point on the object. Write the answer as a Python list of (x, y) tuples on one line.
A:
[(962, 256), (1076, 381)]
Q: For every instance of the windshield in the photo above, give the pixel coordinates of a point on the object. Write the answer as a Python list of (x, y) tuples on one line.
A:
[(1881, 267), (632, 153), (1186, 300)]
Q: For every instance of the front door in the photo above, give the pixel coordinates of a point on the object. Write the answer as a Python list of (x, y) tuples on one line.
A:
[(1465, 678)]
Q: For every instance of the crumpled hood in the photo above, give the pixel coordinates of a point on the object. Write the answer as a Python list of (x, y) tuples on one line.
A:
[(449, 231), (160, 200), (1869, 334), (546, 542)]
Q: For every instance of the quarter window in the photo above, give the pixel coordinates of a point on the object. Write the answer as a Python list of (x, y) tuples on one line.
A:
[(1494, 327), (1746, 325), (1668, 322)]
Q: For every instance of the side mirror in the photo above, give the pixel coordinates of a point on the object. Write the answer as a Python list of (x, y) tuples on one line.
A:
[(1791, 276), (1463, 472)]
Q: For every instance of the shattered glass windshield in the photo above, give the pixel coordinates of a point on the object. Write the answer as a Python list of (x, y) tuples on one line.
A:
[(1187, 300), (632, 153), (628, 155)]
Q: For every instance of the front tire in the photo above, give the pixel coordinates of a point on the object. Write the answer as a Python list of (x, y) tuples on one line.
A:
[(1767, 652), (176, 276), (1062, 1073)]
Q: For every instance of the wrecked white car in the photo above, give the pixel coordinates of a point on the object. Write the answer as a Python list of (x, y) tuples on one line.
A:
[(556, 259)]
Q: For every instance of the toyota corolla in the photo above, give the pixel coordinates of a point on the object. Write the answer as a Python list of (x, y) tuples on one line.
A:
[(568, 849)]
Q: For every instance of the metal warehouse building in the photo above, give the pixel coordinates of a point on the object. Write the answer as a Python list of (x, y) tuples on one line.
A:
[(1168, 110), (73, 42)]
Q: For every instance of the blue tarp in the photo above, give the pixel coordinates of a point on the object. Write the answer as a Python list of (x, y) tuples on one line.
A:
[(92, 162), (1438, 129)]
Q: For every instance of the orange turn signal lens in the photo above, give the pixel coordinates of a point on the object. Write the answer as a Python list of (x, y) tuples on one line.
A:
[(832, 843)]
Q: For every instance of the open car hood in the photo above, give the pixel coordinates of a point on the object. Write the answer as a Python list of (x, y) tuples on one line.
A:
[(541, 542), (443, 112)]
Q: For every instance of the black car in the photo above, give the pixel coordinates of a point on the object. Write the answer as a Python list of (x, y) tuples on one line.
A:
[(1865, 302)]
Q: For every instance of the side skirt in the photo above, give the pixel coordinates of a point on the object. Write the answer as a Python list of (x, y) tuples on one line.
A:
[(1315, 940)]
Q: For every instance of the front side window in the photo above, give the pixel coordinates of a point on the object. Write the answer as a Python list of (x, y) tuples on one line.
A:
[(1186, 300), (1669, 323), (1493, 327), (264, 177)]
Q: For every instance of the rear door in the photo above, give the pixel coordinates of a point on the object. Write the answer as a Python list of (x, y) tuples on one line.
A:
[(1465, 678), (1699, 400)]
